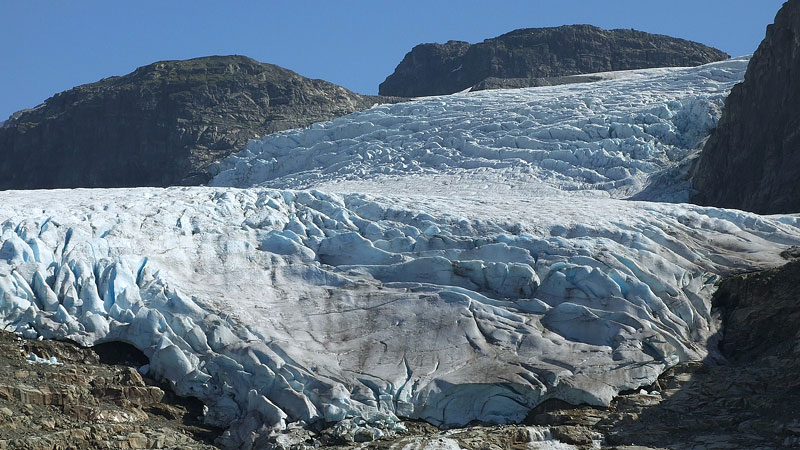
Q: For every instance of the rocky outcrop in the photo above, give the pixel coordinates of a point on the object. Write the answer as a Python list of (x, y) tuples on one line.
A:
[(752, 160), (760, 312), (525, 56), (55, 395), (161, 125), (516, 83)]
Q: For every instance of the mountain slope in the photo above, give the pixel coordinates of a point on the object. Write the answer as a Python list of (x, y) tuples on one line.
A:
[(526, 56), (161, 125), (752, 160)]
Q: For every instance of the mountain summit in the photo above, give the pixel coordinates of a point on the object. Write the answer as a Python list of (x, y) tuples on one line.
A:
[(526, 56), (161, 125)]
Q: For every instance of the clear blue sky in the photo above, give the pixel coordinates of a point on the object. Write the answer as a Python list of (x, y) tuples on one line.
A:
[(50, 46)]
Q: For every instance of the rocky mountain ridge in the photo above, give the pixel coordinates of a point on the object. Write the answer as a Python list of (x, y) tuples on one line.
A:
[(524, 57), (752, 161), (164, 124)]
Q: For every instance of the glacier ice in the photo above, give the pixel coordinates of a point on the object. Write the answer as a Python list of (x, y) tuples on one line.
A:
[(614, 138), (274, 306), (458, 258)]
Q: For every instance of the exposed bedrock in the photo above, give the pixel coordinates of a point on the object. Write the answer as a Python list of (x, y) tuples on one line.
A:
[(163, 124), (536, 56), (57, 395), (759, 312), (752, 160)]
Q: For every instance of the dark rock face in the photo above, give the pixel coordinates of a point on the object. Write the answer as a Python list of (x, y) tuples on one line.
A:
[(760, 312), (517, 83), (752, 161), (536, 53), (161, 125)]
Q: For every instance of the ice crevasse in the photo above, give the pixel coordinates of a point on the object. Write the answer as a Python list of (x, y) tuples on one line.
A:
[(365, 300)]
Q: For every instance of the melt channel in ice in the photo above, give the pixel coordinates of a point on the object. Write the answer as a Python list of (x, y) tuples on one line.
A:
[(274, 306)]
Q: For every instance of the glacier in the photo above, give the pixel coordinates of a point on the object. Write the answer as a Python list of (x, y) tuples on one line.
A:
[(611, 138), (448, 259)]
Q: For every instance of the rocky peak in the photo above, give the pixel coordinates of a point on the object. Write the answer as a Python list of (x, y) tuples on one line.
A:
[(163, 124), (752, 161), (536, 53)]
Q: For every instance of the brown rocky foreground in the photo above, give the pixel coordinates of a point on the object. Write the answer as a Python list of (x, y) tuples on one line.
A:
[(82, 403)]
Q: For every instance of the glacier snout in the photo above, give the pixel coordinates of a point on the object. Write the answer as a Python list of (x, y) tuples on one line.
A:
[(278, 306)]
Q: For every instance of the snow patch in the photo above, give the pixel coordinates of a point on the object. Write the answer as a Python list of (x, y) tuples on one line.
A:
[(33, 358)]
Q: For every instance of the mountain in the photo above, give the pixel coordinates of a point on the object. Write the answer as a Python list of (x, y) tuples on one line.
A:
[(526, 56), (752, 160), (161, 125)]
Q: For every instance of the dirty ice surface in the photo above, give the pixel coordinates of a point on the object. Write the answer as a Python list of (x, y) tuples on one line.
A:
[(275, 306)]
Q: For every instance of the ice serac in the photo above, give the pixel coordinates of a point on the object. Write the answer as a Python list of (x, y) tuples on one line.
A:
[(631, 135), (535, 56), (751, 161), (274, 306)]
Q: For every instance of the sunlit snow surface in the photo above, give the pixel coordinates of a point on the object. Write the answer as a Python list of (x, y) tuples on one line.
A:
[(397, 297)]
